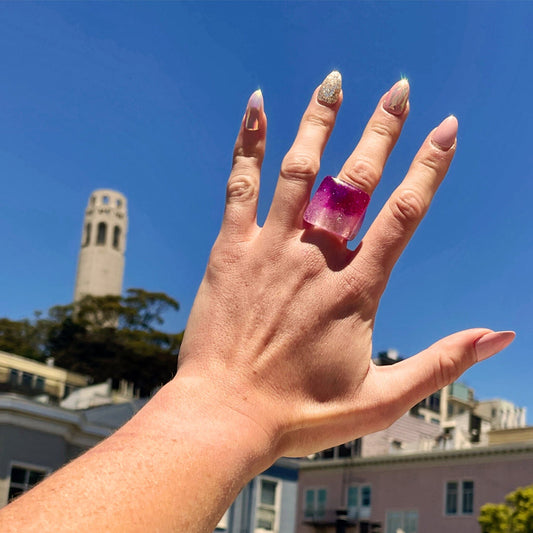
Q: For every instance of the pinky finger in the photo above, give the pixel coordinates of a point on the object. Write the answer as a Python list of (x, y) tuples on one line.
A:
[(242, 191)]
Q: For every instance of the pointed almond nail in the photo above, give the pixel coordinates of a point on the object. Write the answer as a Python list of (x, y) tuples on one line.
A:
[(396, 99), (330, 88), (445, 134), (253, 111), (492, 343)]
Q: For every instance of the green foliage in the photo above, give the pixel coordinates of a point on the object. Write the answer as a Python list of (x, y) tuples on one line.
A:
[(103, 337), (515, 516), (494, 518), (24, 337)]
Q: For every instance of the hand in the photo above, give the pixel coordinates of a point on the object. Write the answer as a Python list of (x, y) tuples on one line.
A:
[(281, 329)]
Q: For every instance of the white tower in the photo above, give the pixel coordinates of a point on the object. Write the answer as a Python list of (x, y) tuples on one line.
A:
[(101, 259)]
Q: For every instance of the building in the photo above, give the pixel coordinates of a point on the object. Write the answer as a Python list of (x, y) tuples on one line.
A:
[(267, 504), (37, 439), (45, 382), (502, 414), (437, 492), (102, 254)]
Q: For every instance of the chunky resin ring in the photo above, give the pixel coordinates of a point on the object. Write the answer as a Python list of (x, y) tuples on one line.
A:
[(337, 207)]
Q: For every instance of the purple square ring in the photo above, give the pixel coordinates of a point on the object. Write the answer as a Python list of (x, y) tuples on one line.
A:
[(337, 207)]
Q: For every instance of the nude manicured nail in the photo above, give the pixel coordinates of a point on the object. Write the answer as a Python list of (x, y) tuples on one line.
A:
[(330, 88), (397, 98), (446, 133), (492, 343), (253, 111)]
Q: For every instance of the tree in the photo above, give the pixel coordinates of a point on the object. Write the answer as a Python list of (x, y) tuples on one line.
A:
[(25, 337), (103, 337), (515, 516)]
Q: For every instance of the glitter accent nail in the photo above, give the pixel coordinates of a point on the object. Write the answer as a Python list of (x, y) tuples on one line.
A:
[(330, 88), (337, 207), (397, 98), (253, 111)]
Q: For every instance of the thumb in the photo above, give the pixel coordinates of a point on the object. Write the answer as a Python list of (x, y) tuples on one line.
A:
[(410, 381)]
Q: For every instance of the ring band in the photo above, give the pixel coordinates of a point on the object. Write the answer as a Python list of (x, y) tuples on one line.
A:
[(337, 207)]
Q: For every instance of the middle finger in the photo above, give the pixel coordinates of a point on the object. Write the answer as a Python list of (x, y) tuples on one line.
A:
[(365, 165)]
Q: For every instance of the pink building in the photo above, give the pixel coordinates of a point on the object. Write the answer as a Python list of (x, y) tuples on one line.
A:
[(438, 491)]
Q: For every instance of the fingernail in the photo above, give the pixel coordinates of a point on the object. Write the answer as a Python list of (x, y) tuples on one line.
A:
[(492, 343), (330, 88), (397, 97), (253, 111), (446, 133)]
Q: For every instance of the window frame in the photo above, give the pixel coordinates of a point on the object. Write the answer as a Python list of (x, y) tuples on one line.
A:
[(461, 508), (359, 510), (318, 510), (403, 515), (260, 505), (25, 486)]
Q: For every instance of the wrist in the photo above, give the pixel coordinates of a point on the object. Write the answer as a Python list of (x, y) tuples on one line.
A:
[(195, 410)]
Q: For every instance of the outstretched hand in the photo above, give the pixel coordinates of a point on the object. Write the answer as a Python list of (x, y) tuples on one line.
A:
[(281, 329), (276, 358)]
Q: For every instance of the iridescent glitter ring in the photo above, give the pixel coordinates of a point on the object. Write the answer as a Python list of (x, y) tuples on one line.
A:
[(337, 207)]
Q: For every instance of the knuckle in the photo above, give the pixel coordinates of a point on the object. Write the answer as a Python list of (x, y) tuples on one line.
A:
[(383, 129), (317, 119), (449, 368), (408, 207), (363, 174), (247, 156), (432, 161), (300, 166), (241, 188)]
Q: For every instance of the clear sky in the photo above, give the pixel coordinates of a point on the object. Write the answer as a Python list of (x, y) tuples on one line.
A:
[(146, 98)]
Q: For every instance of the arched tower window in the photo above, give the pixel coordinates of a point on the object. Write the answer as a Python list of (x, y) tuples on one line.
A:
[(116, 237), (87, 235), (102, 230)]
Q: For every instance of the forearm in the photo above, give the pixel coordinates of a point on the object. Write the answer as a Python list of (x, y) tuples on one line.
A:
[(176, 466)]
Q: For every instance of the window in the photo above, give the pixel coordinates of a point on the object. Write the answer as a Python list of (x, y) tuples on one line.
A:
[(13, 377), (27, 380), (267, 511), (359, 501), (459, 498), (119, 203), (23, 479), (451, 497), (315, 504), (87, 235), (102, 230), (405, 521), (116, 237), (348, 449), (39, 384), (105, 200), (468, 497)]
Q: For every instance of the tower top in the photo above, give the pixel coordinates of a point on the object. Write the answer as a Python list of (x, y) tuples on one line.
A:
[(107, 198)]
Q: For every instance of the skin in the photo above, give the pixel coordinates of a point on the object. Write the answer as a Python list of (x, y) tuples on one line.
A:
[(276, 359)]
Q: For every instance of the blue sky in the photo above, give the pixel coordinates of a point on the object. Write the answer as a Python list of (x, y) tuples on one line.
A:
[(146, 98)]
